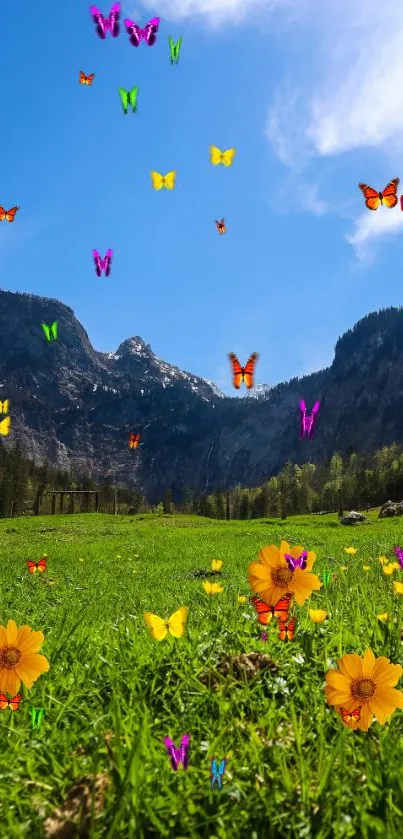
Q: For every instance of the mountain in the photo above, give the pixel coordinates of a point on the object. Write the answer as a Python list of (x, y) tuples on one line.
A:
[(74, 406)]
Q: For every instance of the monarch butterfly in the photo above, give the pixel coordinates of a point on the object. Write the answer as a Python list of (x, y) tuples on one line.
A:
[(9, 215), (224, 157), (221, 226), (374, 199), (5, 426), (4, 406), (243, 374), (88, 80), (13, 703), (134, 441), (160, 181), (265, 613), (175, 624), (286, 630), (37, 566), (350, 716)]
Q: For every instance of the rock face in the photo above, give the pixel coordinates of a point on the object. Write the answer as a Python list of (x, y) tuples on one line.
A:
[(391, 508), (75, 407), (353, 518)]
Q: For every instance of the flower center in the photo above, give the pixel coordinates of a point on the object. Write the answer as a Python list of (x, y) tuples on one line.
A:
[(9, 657), (363, 689), (281, 576)]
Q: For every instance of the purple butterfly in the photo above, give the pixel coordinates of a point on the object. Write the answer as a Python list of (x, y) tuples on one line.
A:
[(180, 755), (149, 34), (307, 421), (297, 563), (102, 264), (399, 554), (104, 23)]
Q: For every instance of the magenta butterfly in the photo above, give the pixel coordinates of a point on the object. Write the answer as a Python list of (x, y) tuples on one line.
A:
[(307, 421), (399, 554), (297, 563), (103, 264), (180, 755), (103, 24), (149, 34)]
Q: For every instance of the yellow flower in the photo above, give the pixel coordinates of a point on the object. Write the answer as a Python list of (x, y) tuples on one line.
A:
[(216, 564), (242, 598), (271, 578), (398, 588), (351, 551), (19, 661), (212, 588), (366, 567), (383, 560), (317, 615), (367, 683), (383, 617), (387, 569)]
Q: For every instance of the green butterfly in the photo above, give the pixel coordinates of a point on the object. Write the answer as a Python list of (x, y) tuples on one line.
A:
[(37, 716), (175, 49), (129, 99), (50, 331)]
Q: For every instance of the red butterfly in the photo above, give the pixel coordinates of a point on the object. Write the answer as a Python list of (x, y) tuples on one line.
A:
[(374, 199), (88, 80), (9, 215), (134, 440), (36, 566), (13, 703), (286, 630), (350, 716), (243, 374), (221, 227), (265, 613)]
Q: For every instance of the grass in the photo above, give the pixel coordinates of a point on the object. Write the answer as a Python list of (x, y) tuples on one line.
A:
[(113, 693)]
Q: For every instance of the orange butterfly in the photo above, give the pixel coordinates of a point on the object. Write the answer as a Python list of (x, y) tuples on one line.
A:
[(374, 199), (88, 80), (286, 630), (243, 374), (350, 716), (13, 703), (265, 613), (134, 441), (36, 566), (9, 215), (221, 227)]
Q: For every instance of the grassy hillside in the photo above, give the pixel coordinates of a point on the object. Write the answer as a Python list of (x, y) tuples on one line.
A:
[(113, 693)]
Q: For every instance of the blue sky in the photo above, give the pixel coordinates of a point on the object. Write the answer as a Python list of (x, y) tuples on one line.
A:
[(289, 85)]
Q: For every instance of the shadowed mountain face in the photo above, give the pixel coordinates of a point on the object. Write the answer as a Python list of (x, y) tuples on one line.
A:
[(75, 407)]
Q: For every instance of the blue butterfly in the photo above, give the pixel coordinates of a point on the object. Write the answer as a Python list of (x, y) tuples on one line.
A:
[(217, 772)]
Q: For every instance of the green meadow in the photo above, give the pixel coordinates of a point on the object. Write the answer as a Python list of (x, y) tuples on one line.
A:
[(113, 693)]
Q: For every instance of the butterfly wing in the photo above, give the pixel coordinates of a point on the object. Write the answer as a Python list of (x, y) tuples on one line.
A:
[(228, 157), (371, 196), (221, 226), (124, 98), (133, 98), (90, 79), (4, 701), (100, 22), (389, 195), (249, 370), (184, 751), (8, 215), (4, 407), (169, 180), (5, 426), (264, 613), (237, 370), (108, 262), (215, 155), (113, 20), (173, 753), (14, 703), (82, 78), (32, 566), (42, 565), (177, 622), (157, 180), (350, 716), (53, 329), (158, 626), (151, 31), (46, 330), (312, 419), (97, 262), (134, 32), (286, 630)]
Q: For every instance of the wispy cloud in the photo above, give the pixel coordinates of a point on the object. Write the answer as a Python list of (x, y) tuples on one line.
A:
[(373, 225), (216, 12)]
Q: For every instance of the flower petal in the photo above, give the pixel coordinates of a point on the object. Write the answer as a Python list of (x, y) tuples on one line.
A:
[(368, 664), (30, 668), (351, 666), (11, 633)]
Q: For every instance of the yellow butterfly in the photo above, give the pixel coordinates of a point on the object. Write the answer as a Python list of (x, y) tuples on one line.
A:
[(175, 624), (167, 181), (4, 407), (216, 564), (5, 426), (224, 157), (212, 588)]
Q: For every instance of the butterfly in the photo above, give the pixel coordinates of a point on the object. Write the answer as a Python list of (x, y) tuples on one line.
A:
[(217, 772), (216, 565), (50, 331), (265, 613), (4, 406), (129, 99), (175, 49), (350, 716), (103, 24), (9, 215), (221, 227), (243, 374), (180, 755), (134, 440), (286, 630), (5, 426), (297, 563), (398, 551), (167, 181), (102, 264), (13, 703), (40, 566), (88, 80), (149, 34), (307, 422), (224, 157), (175, 624), (374, 199)]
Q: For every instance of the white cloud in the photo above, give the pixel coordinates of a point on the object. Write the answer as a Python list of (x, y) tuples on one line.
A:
[(372, 225), (216, 12)]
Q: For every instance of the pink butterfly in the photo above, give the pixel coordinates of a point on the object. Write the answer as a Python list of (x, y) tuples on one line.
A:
[(307, 421), (104, 23), (297, 563), (149, 34), (180, 755), (102, 264)]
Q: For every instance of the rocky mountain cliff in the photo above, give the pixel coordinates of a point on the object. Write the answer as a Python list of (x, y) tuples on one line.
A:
[(75, 407)]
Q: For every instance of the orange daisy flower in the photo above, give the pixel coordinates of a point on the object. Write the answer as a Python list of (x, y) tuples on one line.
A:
[(19, 659), (271, 578), (368, 682)]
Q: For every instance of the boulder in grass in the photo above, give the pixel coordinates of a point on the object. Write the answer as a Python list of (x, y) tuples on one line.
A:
[(353, 518), (391, 508)]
